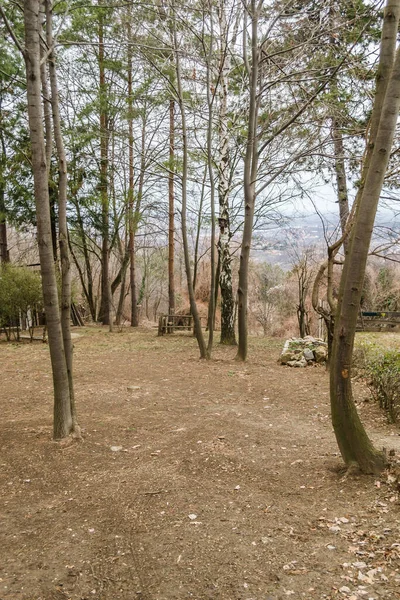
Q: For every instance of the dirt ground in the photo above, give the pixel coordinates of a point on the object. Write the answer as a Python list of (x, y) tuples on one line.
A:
[(205, 480)]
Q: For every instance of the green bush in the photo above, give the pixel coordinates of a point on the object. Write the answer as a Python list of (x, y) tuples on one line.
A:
[(383, 371)]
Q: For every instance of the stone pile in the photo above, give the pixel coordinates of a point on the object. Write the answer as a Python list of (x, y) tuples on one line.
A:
[(300, 352)]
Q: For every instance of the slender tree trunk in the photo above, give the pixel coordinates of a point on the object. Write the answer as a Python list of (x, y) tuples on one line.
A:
[(171, 211), (193, 306), (210, 102), (250, 174), (63, 423), (62, 214), (3, 224), (354, 443), (4, 256), (134, 296), (88, 288), (225, 267), (131, 220), (48, 130), (122, 294), (136, 217), (198, 231), (105, 306)]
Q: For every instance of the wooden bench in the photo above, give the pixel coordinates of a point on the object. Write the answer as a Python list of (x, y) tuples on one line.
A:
[(169, 323)]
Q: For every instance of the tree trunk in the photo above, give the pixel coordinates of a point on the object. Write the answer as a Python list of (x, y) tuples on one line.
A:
[(48, 130), (210, 102), (105, 306), (225, 269), (62, 214), (132, 271), (250, 174), (171, 211), (193, 306), (4, 255), (63, 423), (3, 224), (355, 446), (135, 222), (88, 287), (131, 223)]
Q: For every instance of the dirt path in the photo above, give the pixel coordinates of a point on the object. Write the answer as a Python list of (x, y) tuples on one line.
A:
[(195, 480)]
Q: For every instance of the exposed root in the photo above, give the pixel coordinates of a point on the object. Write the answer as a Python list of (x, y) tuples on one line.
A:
[(352, 470)]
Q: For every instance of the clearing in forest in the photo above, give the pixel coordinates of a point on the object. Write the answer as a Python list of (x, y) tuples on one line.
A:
[(205, 480)]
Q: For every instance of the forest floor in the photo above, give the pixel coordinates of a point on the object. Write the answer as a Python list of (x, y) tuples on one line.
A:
[(204, 480)]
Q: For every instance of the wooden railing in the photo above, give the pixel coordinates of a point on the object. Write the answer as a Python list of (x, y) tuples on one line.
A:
[(378, 321)]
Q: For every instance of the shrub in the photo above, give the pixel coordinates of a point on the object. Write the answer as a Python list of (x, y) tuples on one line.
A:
[(383, 372)]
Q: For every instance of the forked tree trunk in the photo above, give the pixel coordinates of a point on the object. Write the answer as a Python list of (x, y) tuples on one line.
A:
[(63, 423), (354, 443), (62, 215)]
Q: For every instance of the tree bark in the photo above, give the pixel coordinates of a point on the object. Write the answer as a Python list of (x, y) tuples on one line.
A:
[(354, 443), (63, 423)]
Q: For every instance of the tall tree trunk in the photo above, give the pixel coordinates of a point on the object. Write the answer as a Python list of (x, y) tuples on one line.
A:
[(250, 174), (105, 306), (48, 130), (63, 423), (354, 443), (62, 214), (3, 224), (225, 268), (171, 211), (131, 220), (135, 222), (193, 305), (210, 102)]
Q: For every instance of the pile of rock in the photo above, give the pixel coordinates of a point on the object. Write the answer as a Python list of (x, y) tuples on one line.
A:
[(300, 352)]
